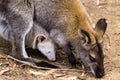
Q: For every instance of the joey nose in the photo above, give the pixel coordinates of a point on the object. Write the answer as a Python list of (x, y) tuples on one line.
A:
[(52, 59)]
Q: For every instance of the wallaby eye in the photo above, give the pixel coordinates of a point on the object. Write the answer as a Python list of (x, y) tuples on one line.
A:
[(92, 58)]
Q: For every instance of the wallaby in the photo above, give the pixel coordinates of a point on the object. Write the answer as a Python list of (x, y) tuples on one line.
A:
[(38, 38), (16, 20), (69, 24)]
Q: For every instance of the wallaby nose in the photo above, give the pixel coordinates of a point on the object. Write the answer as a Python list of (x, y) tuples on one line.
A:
[(99, 73)]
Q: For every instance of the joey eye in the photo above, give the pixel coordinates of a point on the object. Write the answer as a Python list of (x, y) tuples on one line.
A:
[(92, 58), (49, 52)]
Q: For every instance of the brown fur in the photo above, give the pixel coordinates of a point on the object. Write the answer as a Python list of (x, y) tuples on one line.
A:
[(77, 19)]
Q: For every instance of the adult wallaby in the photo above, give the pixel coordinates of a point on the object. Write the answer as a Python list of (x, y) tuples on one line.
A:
[(66, 21), (69, 25)]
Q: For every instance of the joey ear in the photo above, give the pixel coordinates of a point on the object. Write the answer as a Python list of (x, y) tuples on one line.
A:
[(84, 36), (41, 38)]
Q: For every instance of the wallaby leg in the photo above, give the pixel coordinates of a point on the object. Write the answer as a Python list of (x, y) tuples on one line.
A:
[(60, 39), (69, 53), (19, 28), (18, 47)]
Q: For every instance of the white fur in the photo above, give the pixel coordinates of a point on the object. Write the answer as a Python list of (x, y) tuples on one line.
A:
[(47, 48), (24, 52), (23, 47), (3, 29)]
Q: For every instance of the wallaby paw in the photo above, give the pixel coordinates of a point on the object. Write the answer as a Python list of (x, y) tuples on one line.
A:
[(73, 61)]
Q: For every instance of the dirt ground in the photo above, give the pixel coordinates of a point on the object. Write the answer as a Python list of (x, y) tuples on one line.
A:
[(109, 9)]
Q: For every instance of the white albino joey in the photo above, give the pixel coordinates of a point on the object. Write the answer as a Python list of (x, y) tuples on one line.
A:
[(46, 47)]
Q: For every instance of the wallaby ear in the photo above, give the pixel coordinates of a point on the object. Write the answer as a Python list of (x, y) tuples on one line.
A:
[(41, 37), (100, 28), (84, 36)]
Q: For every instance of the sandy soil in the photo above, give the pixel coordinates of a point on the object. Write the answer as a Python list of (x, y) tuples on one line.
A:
[(109, 9)]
